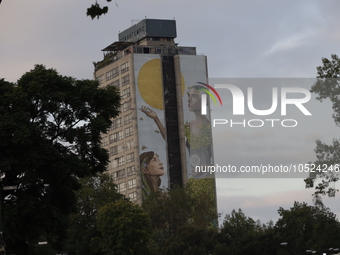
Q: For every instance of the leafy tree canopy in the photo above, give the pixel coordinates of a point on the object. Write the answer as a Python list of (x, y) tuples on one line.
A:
[(241, 234), (95, 193), (299, 228), (50, 133), (125, 228), (307, 228), (327, 86), (183, 219)]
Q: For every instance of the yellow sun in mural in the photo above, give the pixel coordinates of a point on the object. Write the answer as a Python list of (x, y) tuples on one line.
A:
[(150, 83)]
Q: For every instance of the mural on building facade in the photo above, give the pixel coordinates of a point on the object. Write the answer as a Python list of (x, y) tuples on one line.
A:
[(150, 116)]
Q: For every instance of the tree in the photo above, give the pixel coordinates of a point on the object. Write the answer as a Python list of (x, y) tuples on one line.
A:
[(298, 229), (240, 234), (95, 193), (183, 220), (328, 156), (202, 192), (191, 239), (307, 228), (125, 228), (50, 133)]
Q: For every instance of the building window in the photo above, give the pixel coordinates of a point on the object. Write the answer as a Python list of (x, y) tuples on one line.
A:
[(126, 93), (120, 148), (120, 135), (113, 137), (138, 49), (133, 196), (158, 50), (122, 187), (118, 175), (126, 106), (120, 161), (115, 83), (121, 174), (125, 80), (113, 150), (128, 131), (128, 119), (112, 74), (112, 164), (100, 79), (124, 67), (116, 124), (130, 157), (132, 184), (105, 141), (116, 136), (131, 170), (129, 145), (114, 176)]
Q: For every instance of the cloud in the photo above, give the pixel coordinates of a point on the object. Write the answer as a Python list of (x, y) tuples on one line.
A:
[(264, 207), (290, 43)]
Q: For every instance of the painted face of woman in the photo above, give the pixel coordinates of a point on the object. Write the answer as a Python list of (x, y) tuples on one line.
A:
[(194, 100), (155, 167)]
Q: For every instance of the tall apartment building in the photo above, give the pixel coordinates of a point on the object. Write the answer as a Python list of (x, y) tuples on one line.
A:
[(158, 137)]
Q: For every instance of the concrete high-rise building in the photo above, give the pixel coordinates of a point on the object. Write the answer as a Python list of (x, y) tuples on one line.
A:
[(160, 135)]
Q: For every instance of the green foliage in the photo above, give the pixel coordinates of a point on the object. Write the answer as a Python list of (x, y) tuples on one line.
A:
[(300, 228), (307, 228), (168, 210), (50, 128), (124, 228), (330, 68), (182, 221), (242, 235), (203, 194), (191, 239), (108, 59), (327, 87), (326, 155), (176, 230), (96, 10), (95, 193)]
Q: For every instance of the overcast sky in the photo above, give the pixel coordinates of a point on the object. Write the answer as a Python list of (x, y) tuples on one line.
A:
[(241, 38)]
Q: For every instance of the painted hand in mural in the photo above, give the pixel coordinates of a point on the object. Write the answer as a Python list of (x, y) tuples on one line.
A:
[(153, 115), (148, 112)]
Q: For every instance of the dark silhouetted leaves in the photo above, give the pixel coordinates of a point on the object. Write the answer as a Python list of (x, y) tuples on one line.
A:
[(96, 10), (50, 133)]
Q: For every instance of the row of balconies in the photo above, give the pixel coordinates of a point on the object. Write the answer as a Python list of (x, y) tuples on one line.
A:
[(111, 57)]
